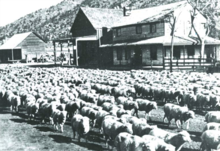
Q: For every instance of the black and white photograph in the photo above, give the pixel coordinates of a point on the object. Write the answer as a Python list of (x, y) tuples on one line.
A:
[(109, 75)]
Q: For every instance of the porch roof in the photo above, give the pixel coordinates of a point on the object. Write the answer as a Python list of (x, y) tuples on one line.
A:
[(166, 41)]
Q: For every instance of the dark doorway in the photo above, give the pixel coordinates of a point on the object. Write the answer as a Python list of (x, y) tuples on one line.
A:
[(17, 54), (87, 52), (137, 61)]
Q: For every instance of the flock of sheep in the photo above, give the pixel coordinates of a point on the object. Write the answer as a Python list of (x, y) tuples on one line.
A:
[(112, 100)]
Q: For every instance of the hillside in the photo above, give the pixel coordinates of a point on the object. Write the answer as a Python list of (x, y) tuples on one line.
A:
[(55, 22)]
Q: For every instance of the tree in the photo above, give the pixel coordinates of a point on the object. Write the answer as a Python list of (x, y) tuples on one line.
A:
[(208, 8)]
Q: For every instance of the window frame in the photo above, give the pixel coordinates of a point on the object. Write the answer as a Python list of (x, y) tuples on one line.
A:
[(117, 32), (151, 28), (139, 29)]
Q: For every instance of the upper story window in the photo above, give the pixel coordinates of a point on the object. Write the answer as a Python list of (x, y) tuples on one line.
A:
[(138, 29), (118, 32), (153, 28)]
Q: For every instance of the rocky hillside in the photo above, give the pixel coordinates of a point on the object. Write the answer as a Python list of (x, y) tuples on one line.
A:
[(55, 22)]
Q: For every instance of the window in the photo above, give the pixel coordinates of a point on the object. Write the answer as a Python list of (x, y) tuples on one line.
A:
[(176, 52), (118, 32), (190, 51), (138, 29), (127, 54), (152, 28), (119, 54), (114, 32), (153, 52)]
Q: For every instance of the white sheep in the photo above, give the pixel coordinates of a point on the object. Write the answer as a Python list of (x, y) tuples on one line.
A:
[(210, 140)]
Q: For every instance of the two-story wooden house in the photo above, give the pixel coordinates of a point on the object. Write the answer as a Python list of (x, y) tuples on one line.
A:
[(142, 38)]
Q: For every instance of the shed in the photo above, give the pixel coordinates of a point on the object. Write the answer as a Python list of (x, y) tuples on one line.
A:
[(24, 46)]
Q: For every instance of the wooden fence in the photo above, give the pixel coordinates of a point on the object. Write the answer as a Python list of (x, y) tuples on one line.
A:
[(193, 64)]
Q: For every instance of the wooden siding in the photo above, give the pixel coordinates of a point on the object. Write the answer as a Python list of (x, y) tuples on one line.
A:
[(32, 46), (128, 33), (82, 26), (146, 60)]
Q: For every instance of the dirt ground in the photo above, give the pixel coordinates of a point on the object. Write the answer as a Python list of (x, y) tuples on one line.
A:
[(18, 133)]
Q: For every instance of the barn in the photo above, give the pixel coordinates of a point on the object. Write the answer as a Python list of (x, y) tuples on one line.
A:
[(24, 46)]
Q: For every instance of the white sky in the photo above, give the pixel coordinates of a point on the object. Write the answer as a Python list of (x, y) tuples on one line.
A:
[(11, 10)]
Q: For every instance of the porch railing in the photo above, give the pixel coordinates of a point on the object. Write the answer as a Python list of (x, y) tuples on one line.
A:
[(188, 63)]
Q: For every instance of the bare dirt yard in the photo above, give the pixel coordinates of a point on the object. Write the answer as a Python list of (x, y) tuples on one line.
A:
[(18, 133)]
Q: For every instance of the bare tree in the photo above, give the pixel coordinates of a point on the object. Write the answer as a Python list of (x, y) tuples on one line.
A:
[(208, 8)]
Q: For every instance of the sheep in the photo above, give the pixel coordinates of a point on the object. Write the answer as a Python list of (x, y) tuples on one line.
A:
[(100, 116), (177, 140), (147, 106), (104, 98), (32, 109), (129, 105), (210, 140), (72, 107), (133, 119), (111, 128), (15, 103), (212, 126), (140, 128), (127, 142), (80, 125), (59, 118), (90, 113), (121, 112), (159, 144), (178, 113), (46, 110), (212, 116)]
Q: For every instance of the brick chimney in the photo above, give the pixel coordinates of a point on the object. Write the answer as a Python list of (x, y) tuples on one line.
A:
[(127, 11)]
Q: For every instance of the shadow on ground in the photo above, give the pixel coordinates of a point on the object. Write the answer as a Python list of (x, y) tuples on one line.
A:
[(60, 138), (195, 136), (89, 145), (44, 129)]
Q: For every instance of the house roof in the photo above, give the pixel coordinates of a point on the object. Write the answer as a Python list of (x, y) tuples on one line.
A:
[(150, 14), (15, 40), (166, 41), (100, 17)]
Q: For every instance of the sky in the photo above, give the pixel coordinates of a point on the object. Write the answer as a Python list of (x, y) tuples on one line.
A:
[(11, 10)]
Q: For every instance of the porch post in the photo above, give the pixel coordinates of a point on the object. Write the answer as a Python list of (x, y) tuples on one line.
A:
[(12, 54), (76, 53), (55, 54), (69, 52)]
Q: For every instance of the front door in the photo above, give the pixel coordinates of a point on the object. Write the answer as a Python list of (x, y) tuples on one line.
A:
[(137, 56)]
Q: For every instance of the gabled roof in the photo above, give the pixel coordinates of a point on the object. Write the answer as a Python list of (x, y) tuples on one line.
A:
[(150, 14), (100, 17), (15, 40)]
